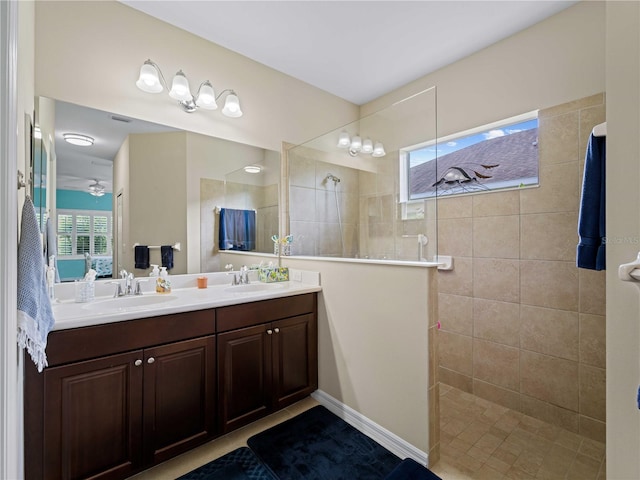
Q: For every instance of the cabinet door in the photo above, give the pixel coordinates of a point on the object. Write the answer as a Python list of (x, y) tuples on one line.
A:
[(179, 397), (244, 376), (93, 418), (295, 359)]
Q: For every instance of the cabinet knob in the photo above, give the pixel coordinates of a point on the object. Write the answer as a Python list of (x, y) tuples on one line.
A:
[(137, 363), (151, 360), (277, 330), (269, 332)]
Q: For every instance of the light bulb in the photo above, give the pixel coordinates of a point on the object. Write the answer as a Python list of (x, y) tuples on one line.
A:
[(148, 81), (356, 144), (180, 87), (378, 150), (232, 106), (367, 146), (207, 97), (343, 140)]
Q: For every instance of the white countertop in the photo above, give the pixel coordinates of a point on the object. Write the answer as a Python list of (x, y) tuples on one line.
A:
[(184, 297)]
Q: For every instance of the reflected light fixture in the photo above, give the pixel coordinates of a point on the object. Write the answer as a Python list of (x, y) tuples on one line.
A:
[(356, 145), (151, 80), (78, 139), (96, 189), (252, 169)]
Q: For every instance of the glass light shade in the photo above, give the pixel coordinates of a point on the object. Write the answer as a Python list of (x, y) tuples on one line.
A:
[(207, 97), (180, 88), (148, 81), (96, 189), (367, 146), (252, 169), (78, 139), (343, 140), (232, 106), (356, 144), (378, 150)]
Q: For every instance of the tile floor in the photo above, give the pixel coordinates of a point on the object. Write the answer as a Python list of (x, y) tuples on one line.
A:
[(479, 440), (482, 440)]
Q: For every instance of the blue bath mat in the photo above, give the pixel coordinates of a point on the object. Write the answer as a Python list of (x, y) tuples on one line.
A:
[(318, 445), (241, 464)]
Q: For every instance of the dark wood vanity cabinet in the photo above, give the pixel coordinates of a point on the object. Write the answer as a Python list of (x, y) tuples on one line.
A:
[(114, 415), (270, 362), (121, 397)]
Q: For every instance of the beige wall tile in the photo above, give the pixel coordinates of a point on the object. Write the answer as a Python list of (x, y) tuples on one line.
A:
[(455, 207), (455, 313), (592, 291), (594, 429), (496, 279), (593, 340), (593, 392), (495, 321), (456, 352), (551, 379), (547, 412), (496, 203), (455, 379), (549, 236), (589, 118), (549, 284), (549, 331), (493, 393), (458, 281), (496, 364), (558, 190), (578, 104), (496, 237), (558, 138), (455, 237)]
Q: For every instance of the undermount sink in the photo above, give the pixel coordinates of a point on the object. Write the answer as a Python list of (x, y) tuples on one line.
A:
[(253, 287), (133, 301)]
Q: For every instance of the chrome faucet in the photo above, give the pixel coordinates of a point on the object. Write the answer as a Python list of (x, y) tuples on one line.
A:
[(244, 275), (128, 282)]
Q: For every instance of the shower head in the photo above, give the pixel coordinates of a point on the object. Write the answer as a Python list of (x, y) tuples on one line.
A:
[(331, 176)]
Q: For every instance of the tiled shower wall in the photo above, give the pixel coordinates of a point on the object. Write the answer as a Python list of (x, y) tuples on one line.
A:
[(522, 326)]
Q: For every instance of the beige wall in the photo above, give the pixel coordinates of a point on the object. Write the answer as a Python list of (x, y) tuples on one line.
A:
[(373, 349), (97, 60), (521, 325)]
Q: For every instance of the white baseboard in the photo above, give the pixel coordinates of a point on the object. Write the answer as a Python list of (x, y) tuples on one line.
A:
[(384, 437)]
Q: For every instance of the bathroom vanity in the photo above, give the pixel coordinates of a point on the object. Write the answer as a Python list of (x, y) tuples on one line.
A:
[(121, 396)]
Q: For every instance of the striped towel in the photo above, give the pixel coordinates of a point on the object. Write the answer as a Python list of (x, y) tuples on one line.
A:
[(35, 316)]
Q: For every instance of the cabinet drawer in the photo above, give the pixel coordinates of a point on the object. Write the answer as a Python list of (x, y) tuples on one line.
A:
[(64, 346), (254, 313)]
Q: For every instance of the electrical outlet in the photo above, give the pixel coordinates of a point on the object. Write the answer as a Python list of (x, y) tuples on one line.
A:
[(297, 276)]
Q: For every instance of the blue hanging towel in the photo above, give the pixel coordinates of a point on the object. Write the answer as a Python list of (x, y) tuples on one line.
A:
[(590, 252), (237, 229), (166, 255), (35, 316)]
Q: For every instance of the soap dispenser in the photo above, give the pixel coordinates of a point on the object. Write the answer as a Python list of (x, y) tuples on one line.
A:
[(154, 272), (163, 284)]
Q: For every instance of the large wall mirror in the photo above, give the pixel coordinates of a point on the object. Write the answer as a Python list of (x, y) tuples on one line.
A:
[(135, 182)]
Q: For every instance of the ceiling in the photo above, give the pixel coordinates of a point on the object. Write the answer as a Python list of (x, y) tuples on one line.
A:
[(356, 50)]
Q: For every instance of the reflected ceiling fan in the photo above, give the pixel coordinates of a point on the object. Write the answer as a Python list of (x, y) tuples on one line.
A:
[(96, 189)]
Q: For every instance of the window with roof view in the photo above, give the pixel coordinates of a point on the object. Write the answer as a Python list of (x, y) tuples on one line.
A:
[(493, 157)]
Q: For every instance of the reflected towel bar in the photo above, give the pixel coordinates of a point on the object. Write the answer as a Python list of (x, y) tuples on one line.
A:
[(176, 246)]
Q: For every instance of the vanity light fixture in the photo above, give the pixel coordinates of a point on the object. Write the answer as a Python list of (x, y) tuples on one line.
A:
[(356, 145), (78, 139), (151, 80), (96, 189), (252, 169)]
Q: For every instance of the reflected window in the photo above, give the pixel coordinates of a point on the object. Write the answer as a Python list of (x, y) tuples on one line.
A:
[(84, 232), (492, 157)]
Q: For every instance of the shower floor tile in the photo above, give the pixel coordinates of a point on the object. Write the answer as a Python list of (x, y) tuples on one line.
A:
[(482, 440)]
